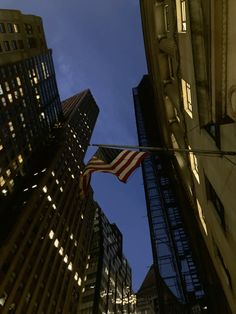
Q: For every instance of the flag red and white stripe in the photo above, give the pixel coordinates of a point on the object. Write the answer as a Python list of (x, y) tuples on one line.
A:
[(121, 163)]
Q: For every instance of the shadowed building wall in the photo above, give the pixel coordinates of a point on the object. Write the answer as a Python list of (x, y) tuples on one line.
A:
[(190, 60)]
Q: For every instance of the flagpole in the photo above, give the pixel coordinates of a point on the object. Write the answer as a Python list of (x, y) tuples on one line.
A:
[(162, 149)]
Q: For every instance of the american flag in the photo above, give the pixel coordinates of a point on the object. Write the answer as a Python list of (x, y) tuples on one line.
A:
[(121, 163)]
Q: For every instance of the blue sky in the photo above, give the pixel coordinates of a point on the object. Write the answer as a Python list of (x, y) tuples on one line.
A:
[(98, 44)]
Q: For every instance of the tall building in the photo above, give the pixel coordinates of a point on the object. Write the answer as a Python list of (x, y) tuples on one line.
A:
[(29, 99), (189, 54), (45, 227), (108, 287), (44, 248)]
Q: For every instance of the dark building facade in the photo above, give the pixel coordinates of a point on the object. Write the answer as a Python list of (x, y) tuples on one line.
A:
[(45, 228), (44, 248), (108, 287), (29, 99)]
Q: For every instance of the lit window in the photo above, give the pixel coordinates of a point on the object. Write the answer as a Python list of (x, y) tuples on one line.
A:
[(1, 147), (10, 98), (11, 182), (34, 186), (18, 81), (7, 86), (1, 90), (201, 217), (181, 16), (4, 101), (45, 189), (20, 159), (49, 198), (56, 243), (53, 173), (51, 234), (65, 259), (61, 189), (194, 166), (79, 281), (4, 191), (71, 236), (87, 266), (57, 182), (2, 181), (186, 90), (70, 266), (8, 172), (82, 216), (21, 91), (16, 28), (54, 206), (11, 126), (61, 251), (76, 276), (85, 278), (22, 117)]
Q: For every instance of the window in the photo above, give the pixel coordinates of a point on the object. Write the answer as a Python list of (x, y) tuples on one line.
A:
[(187, 99), (1, 91), (171, 69), (194, 165), (20, 44), (214, 131), (166, 18), (16, 28), (32, 42), (10, 98), (202, 217), (224, 268), (10, 28), (6, 45), (28, 28), (13, 44), (219, 207), (181, 16), (2, 28)]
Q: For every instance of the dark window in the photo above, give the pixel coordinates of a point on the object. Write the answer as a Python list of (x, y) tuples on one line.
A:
[(28, 29), (0, 48), (20, 44), (2, 28), (10, 28), (32, 42), (224, 268), (6, 45), (213, 197), (214, 131), (13, 44)]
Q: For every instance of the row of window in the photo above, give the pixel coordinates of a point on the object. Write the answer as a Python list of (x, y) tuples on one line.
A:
[(12, 45), (181, 16), (9, 27), (15, 28)]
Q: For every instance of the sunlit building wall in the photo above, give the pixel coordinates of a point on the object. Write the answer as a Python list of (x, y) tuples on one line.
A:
[(190, 59), (108, 287)]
